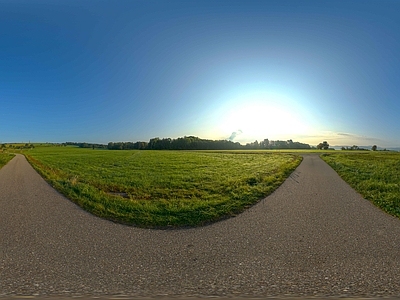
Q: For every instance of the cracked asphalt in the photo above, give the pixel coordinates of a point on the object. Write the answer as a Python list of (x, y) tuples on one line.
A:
[(313, 237)]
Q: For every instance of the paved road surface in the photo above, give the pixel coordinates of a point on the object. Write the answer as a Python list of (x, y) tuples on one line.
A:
[(314, 236)]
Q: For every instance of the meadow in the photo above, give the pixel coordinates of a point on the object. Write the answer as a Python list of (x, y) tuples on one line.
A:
[(162, 188), (375, 175)]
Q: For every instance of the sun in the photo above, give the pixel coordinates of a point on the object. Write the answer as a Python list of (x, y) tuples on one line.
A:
[(263, 119)]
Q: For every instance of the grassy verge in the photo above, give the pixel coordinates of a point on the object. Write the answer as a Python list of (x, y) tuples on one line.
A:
[(375, 175), (5, 158), (162, 188)]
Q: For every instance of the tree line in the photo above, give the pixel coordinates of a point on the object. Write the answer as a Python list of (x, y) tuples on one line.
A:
[(267, 144), (196, 143), (85, 145)]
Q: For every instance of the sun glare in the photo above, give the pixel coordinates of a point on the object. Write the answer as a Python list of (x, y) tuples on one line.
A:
[(257, 120)]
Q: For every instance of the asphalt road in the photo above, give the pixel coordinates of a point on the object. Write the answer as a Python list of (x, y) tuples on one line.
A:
[(314, 236)]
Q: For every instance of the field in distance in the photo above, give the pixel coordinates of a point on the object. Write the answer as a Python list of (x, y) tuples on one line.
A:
[(162, 188), (374, 174)]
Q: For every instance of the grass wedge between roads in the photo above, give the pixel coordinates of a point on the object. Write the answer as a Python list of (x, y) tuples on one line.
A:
[(375, 175), (5, 158), (162, 188)]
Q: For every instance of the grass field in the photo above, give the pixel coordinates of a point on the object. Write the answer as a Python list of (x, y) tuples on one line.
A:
[(375, 175), (5, 158), (162, 188)]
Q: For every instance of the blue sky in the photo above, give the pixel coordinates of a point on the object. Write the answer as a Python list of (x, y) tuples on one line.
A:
[(100, 71)]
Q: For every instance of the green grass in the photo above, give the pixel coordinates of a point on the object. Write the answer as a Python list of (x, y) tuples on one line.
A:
[(375, 175), (162, 188), (5, 158)]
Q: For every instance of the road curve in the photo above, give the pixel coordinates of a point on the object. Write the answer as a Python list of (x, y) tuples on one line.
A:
[(314, 236)]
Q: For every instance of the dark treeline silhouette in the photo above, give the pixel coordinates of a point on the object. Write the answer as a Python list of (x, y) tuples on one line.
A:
[(267, 144), (196, 143), (85, 145), (127, 145), (182, 143)]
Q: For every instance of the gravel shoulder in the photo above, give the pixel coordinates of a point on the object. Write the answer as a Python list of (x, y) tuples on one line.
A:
[(313, 237)]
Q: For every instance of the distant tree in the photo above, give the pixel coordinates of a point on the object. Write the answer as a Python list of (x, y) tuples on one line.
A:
[(153, 143), (324, 145), (374, 147), (264, 144)]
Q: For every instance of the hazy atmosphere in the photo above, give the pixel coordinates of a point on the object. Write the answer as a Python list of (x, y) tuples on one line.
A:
[(100, 71)]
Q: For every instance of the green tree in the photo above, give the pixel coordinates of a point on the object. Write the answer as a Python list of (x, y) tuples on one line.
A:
[(324, 145)]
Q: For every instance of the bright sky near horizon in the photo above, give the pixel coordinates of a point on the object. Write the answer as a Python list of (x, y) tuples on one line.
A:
[(101, 71)]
